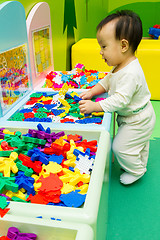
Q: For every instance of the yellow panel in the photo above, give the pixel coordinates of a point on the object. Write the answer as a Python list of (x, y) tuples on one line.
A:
[(148, 54), (87, 52)]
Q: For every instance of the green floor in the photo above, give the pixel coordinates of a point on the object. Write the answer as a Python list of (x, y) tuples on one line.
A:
[(133, 211)]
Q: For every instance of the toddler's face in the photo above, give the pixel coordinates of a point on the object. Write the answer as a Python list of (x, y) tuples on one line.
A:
[(111, 50)]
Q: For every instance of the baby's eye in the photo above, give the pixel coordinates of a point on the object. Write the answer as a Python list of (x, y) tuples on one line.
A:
[(103, 47)]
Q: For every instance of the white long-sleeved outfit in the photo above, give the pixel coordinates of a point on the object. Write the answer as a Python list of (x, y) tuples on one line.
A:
[(129, 96)]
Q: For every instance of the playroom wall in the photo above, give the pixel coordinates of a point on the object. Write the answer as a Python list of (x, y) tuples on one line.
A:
[(73, 20)]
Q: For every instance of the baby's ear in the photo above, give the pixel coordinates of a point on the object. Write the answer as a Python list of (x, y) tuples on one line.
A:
[(124, 45)]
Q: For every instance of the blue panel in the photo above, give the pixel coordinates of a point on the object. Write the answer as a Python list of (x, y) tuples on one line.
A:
[(15, 71), (13, 25)]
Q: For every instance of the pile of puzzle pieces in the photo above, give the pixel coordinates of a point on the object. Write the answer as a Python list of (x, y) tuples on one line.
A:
[(11, 80), (44, 167), (56, 107), (14, 234), (154, 31), (79, 77)]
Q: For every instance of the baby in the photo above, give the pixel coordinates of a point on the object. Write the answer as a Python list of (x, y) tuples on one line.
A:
[(119, 35)]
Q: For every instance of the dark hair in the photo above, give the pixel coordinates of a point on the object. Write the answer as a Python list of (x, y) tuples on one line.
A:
[(128, 26)]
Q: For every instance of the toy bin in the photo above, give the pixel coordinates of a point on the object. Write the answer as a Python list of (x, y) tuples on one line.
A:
[(9, 117), (88, 211), (47, 229)]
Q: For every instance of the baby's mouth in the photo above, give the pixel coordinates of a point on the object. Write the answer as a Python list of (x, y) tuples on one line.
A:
[(104, 59)]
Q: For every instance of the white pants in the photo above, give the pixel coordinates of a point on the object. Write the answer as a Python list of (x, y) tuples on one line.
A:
[(131, 143)]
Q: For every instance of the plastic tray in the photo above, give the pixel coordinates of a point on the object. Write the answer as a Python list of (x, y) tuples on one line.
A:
[(4, 120), (88, 212), (47, 229)]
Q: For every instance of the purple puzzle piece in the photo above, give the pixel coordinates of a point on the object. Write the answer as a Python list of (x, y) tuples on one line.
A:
[(14, 234)]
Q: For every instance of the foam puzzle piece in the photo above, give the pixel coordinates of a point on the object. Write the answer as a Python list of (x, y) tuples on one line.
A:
[(26, 160), (52, 167), (37, 155), (3, 212), (7, 165), (19, 194), (25, 182), (84, 164), (55, 158), (73, 199), (50, 183), (8, 183), (83, 189), (67, 188), (13, 233), (27, 171), (75, 177), (38, 198), (3, 202), (83, 161)]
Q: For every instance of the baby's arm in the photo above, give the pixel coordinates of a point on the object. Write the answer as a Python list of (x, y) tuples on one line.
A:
[(87, 106), (96, 90)]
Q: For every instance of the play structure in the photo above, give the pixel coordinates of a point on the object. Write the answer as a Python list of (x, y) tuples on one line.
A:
[(23, 67)]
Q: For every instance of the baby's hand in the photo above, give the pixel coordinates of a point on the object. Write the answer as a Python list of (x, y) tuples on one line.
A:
[(86, 95), (87, 106)]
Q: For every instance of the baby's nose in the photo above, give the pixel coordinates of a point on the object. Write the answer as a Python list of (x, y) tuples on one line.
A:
[(101, 52)]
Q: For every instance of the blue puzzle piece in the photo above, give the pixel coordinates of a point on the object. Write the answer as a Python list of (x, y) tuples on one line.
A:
[(94, 82), (87, 152), (57, 204), (89, 120), (40, 127), (49, 106), (27, 135), (95, 74), (68, 96), (37, 155), (38, 120), (25, 182), (64, 77), (38, 105), (48, 94), (25, 110), (71, 169), (57, 112), (48, 130), (73, 199), (56, 158), (77, 99), (87, 114), (77, 152), (83, 80)]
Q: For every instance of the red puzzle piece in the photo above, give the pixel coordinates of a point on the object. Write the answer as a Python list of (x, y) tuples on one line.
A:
[(38, 198), (3, 211), (50, 183), (75, 137)]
